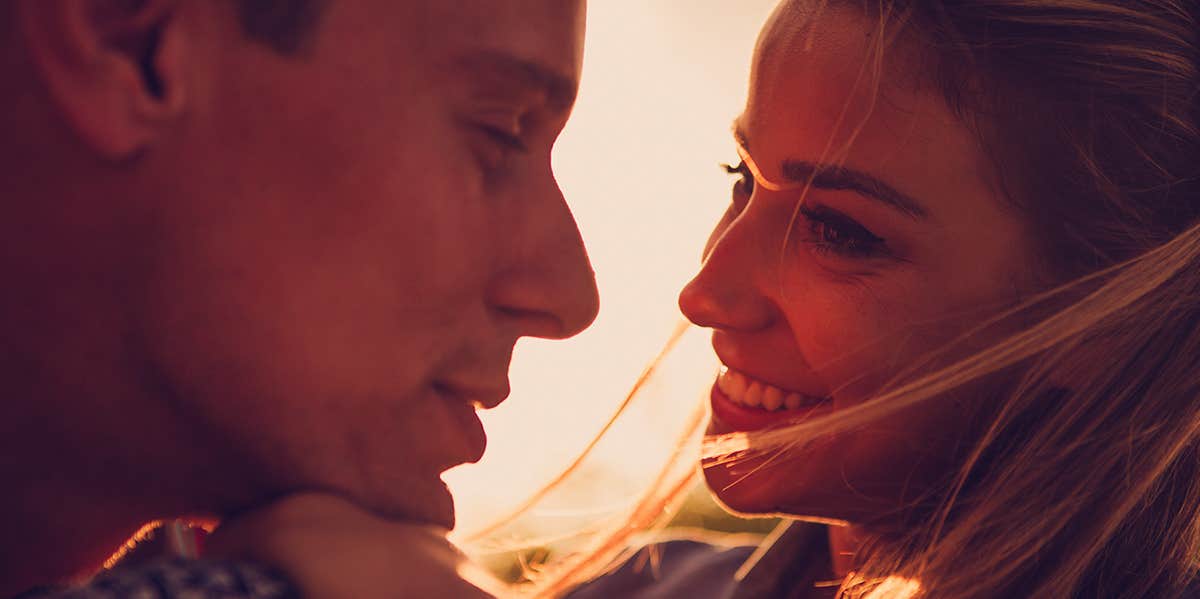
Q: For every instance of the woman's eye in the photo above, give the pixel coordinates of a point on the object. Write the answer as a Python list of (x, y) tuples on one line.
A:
[(743, 187), (834, 233)]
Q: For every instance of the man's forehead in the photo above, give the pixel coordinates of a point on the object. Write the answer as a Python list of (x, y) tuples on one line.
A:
[(546, 33), (499, 67)]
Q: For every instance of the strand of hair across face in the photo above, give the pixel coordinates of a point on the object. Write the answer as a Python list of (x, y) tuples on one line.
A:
[(557, 481)]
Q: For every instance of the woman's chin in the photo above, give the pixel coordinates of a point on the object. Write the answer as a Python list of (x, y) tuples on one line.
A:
[(739, 491), (742, 491)]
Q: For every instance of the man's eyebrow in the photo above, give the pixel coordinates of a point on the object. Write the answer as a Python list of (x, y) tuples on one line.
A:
[(560, 89), (838, 178)]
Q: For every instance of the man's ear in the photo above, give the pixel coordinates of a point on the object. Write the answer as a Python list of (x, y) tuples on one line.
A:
[(114, 68)]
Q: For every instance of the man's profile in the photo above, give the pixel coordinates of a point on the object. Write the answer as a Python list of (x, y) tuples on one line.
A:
[(255, 248)]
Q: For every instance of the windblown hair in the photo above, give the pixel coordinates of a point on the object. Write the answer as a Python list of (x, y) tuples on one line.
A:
[(288, 26), (1086, 480)]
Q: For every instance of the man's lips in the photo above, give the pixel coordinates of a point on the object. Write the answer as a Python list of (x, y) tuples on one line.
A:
[(483, 395), (463, 409), (472, 428)]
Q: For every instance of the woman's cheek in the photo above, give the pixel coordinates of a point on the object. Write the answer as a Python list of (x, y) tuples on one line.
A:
[(850, 341)]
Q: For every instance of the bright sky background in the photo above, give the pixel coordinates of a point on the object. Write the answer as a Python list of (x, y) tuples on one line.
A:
[(663, 79)]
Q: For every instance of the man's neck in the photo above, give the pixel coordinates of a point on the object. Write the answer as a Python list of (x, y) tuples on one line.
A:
[(83, 440), (53, 536), (72, 494)]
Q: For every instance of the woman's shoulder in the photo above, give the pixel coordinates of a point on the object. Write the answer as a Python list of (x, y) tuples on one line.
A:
[(687, 566), (1193, 590)]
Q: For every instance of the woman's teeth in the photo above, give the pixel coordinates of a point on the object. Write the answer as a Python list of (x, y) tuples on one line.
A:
[(756, 394)]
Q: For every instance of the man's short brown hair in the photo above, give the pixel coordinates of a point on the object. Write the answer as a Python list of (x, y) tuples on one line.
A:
[(285, 25)]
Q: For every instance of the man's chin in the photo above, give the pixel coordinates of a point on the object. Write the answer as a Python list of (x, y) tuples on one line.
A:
[(432, 504), (424, 502), (438, 510)]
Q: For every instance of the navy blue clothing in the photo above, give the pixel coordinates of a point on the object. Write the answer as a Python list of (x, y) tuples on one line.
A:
[(696, 570), (175, 578), (672, 569), (793, 566)]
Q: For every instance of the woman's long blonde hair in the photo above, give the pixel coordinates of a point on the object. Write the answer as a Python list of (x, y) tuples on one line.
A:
[(1086, 479), (1085, 482)]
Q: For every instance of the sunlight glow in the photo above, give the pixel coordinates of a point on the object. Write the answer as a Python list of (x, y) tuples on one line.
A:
[(896, 587), (639, 166)]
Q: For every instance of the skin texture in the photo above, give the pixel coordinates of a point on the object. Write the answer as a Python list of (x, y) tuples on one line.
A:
[(359, 555), (807, 315), (232, 275)]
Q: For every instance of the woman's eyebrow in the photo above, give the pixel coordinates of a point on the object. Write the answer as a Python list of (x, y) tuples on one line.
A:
[(838, 178), (825, 176)]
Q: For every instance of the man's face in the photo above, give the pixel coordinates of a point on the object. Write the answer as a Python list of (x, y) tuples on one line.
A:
[(347, 244)]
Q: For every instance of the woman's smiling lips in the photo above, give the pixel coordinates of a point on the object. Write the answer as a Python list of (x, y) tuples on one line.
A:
[(743, 403)]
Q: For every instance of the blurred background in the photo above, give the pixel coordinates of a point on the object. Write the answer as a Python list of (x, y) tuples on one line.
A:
[(639, 164)]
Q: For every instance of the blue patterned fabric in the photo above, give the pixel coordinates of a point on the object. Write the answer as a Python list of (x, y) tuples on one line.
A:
[(694, 569), (179, 579), (669, 570)]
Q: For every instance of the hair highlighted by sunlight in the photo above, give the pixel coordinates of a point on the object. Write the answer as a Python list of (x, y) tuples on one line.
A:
[(1086, 482)]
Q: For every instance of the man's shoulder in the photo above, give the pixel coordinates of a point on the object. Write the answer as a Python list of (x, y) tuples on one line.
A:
[(179, 578), (1193, 589)]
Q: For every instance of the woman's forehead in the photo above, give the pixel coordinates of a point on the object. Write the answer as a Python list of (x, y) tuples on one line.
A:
[(818, 71), (842, 33), (825, 92), (805, 25)]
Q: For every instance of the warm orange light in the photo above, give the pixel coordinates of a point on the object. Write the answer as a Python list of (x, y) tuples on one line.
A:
[(638, 164)]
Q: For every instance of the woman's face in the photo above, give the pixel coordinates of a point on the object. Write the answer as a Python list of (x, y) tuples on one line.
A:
[(895, 252)]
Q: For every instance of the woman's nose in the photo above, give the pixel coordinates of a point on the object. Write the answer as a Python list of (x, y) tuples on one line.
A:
[(725, 293)]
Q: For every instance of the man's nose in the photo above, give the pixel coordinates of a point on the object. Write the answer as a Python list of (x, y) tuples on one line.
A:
[(550, 288)]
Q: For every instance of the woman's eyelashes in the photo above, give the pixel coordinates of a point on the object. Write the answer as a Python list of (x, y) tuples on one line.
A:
[(743, 187), (829, 232)]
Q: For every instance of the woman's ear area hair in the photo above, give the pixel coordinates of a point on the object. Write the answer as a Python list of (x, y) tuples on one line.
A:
[(114, 69)]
